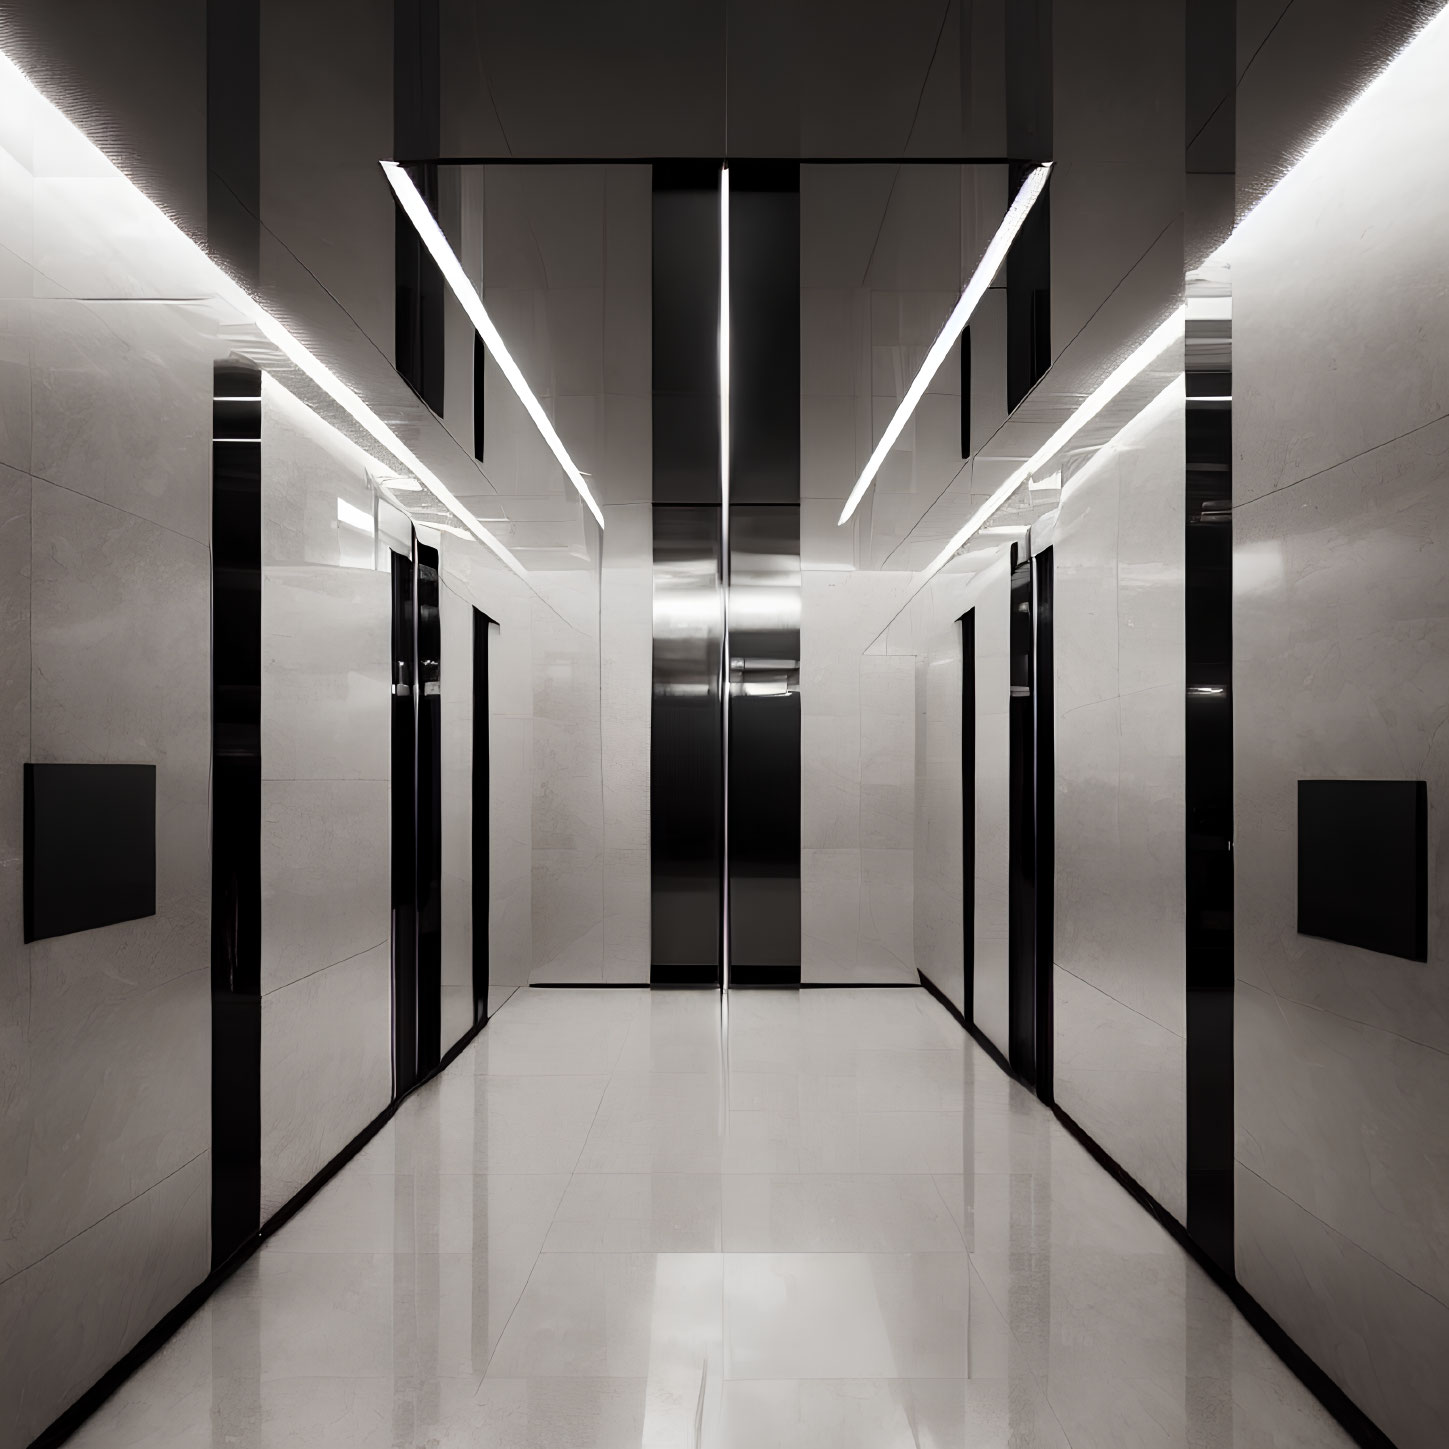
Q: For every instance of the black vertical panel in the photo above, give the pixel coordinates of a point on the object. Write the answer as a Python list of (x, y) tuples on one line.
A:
[(1028, 53), (968, 813), (965, 354), (1043, 701), (764, 745), (404, 830), (429, 806), (686, 765), (685, 328), (686, 750), (236, 885), (482, 813), (1209, 782), (417, 137), (233, 134), (1021, 848), (765, 333), (1028, 296), (480, 372), (764, 574)]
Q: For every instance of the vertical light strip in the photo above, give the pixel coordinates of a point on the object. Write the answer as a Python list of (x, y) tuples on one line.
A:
[(990, 263), (431, 236), (724, 548)]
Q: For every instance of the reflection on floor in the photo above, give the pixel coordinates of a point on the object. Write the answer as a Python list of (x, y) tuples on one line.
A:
[(618, 1220)]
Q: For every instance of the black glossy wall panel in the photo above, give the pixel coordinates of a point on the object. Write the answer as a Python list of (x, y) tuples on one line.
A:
[(90, 847), (236, 810), (968, 812), (1021, 834), (404, 829), (764, 745), (1043, 700), (765, 333), (1363, 864), (685, 332), (428, 802), (482, 808), (686, 749), (1208, 780)]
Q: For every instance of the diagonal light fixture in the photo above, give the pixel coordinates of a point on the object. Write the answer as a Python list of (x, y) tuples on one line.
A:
[(986, 269), (431, 236), (1138, 360)]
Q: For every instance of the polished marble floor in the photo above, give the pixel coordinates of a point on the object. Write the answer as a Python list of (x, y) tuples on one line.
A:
[(821, 1220)]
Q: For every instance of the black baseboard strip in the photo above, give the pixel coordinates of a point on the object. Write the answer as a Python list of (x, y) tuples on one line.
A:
[(61, 1428), (1350, 1417)]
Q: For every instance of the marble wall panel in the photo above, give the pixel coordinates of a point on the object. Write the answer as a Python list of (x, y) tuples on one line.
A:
[(326, 1068), (326, 788), (121, 406), (1363, 297), (1339, 626), (118, 1027), (69, 1317), (326, 680), (325, 861), (1380, 1336), (1120, 1013)]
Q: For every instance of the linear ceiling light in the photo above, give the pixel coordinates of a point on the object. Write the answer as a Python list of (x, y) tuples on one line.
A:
[(724, 553), (431, 235), (1145, 353), (232, 293), (986, 269)]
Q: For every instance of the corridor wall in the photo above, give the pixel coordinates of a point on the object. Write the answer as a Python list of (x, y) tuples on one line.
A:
[(1119, 973), (105, 469), (326, 771), (1341, 637)]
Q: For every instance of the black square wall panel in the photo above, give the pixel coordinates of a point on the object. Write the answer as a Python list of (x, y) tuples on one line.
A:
[(90, 847), (1363, 859)]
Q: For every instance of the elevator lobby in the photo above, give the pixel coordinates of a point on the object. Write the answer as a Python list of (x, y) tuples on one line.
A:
[(722, 724)]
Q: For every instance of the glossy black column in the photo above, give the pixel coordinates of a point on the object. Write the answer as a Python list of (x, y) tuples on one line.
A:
[(686, 765), (968, 813), (404, 829), (1021, 835), (1209, 782), (236, 773), (428, 877), (764, 575), (482, 814), (1043, 701), (417, 139)]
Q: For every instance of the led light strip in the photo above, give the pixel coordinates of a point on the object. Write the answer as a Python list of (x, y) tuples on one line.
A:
[(1145, 353), (989, 265), (431, 236), (724, 535), (237, 297)]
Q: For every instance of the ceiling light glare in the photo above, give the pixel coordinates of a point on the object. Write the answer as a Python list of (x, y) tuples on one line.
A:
[(1141, 356), (228, 290), (986, 269), (355, 517), (1395, 72), (431, 236)]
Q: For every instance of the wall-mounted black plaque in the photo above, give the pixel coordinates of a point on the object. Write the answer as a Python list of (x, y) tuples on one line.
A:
[(1363, 864), (90, 847)]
